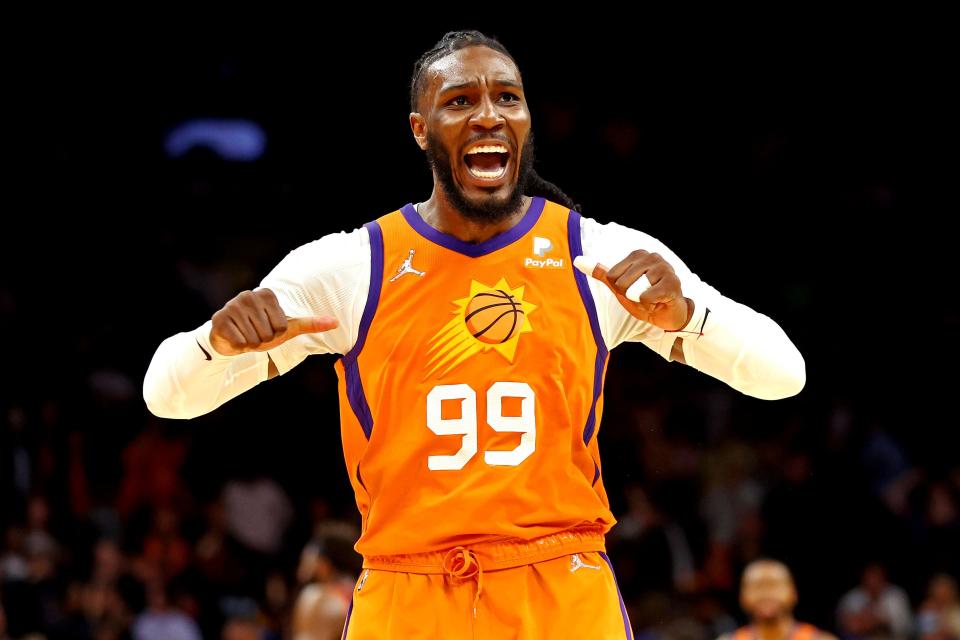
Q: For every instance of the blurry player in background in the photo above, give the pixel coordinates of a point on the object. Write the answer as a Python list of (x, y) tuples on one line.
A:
[(768, 595), (327, 572)]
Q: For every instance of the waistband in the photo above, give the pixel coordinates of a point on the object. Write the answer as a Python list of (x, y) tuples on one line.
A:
[(497, 554)]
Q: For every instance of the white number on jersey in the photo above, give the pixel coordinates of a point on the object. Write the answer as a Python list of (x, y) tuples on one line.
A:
[(466, 425)]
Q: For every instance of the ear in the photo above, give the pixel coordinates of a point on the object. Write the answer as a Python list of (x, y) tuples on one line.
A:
[(419, 127)]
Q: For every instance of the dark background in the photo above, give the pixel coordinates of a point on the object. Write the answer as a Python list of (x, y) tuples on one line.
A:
[(806, 169)]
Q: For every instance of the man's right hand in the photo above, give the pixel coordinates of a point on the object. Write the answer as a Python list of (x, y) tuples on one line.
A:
[(254, 321)]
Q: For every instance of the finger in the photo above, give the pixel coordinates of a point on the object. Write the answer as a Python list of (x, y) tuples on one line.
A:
[(278, 320), (310, 324), (633, 281), (638, 257), (232, 335), (586, 266), (635, 291), (664, 284), (662, 292), (257, 316), (591, 268), (658, 271), (250, 338), (594, 269)]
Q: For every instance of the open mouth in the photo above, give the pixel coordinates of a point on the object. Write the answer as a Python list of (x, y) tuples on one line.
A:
[(487, 162)]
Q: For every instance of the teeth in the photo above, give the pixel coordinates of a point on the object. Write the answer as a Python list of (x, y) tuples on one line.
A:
[(488, 175), (488, 148)]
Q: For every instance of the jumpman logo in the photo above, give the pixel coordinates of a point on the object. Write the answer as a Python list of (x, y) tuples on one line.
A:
[(407, 267), (577, 563)]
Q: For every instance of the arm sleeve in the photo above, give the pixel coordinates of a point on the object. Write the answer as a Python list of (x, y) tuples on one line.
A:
[(724, 339), (187, 377), (328, 277)]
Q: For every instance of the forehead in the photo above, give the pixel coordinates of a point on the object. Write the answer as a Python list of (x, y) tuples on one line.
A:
[(470, 64), (766, 572)]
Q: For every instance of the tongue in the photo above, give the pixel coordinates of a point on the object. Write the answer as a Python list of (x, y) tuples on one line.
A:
[(486, 161)]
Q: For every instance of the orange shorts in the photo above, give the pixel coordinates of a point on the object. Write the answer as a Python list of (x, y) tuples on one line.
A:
[(486, 594)]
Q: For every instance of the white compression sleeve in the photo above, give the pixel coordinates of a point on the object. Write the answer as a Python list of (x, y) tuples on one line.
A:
[(329, 276), (182, 382), (739, 346)]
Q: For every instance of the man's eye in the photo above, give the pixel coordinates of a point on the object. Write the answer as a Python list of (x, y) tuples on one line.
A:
[(460, 101), (508, 97)]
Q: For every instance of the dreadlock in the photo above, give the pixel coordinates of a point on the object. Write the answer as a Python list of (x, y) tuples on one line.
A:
[(454, 41)]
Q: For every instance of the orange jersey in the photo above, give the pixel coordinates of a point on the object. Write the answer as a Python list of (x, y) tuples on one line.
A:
[(800, 631), (471, 399)]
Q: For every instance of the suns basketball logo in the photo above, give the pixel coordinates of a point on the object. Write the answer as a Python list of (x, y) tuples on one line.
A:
[(490, 318)]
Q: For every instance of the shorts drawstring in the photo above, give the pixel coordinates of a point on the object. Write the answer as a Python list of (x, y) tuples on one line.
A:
[(461, 563)]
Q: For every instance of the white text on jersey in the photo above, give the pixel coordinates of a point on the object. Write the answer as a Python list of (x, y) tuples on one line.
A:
[(545, 263)]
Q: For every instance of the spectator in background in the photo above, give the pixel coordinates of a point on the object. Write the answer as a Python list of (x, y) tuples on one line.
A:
[(92, 611), (876, 609), (108, 562), (888, 469), (258, 513), (164, 547), (15, 463), (152, 465), (327, 573), (39, 541), (731, 494), (939, 617), (768, 595), (276, 606), (161, 620), (730, 507), (212, 553), (13, 561), (652, 550), (241, 628), (938, 535)]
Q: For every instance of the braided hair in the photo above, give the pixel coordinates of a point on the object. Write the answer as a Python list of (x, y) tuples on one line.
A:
[(454, 41)]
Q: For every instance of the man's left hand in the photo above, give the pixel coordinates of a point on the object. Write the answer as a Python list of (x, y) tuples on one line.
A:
[(662, 304)]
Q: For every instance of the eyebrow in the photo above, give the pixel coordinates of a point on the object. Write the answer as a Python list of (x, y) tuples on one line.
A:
[(464, 85)]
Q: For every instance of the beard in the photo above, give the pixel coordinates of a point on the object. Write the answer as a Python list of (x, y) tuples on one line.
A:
[(487, 209)]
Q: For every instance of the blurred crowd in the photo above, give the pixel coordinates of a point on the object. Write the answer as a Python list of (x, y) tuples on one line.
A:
[(144, 532)]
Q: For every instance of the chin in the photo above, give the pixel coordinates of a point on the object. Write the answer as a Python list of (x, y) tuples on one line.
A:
[(487, 198)]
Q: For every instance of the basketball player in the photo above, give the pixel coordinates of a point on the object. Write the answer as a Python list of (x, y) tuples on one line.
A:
[(471, 376), (327, 584), (768, 596)]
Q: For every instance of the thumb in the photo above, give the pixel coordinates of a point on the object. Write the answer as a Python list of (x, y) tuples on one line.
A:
[(593, 269), (310, 324)]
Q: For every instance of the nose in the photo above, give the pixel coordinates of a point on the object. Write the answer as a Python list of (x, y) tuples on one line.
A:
[(486, 117)]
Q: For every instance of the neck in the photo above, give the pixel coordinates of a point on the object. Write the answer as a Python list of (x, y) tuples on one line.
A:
[(777, 629), (440, 214)]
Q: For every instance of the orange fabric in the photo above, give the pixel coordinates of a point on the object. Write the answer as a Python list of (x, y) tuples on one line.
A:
[(559, 599), (800, 631), (460, 563), (501, 554), (419, 341), (805, 631)]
